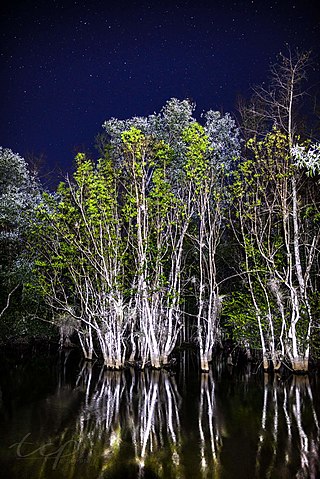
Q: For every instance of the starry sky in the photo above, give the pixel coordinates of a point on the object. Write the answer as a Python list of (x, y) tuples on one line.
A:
[(66, 66)]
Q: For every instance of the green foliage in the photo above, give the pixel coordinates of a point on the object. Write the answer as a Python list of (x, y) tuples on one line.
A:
[(197, 164), (19, 196), (239, 320), (115, 224)]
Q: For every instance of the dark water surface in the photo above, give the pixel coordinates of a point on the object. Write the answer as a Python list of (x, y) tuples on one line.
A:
[(60, 418)]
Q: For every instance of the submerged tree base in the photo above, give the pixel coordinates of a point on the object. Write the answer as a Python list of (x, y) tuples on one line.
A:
[(204, 365), (266, 365), (113, 365), (155, 362), (300, 365)]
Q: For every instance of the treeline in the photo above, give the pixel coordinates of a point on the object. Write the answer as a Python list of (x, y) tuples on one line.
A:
[(181, 231)]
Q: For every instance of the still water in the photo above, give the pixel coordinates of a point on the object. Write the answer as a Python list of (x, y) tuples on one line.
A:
[(61, 418)]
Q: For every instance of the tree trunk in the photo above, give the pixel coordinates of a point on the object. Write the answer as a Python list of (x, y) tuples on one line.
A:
[(266, 366), (204, 363), (165, 359), (276, 363), (155, 362), (300, 365)]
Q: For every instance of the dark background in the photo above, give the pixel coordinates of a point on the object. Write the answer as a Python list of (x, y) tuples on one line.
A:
[(66, 66)]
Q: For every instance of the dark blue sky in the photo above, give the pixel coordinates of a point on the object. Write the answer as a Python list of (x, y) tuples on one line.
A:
[(66, 66)]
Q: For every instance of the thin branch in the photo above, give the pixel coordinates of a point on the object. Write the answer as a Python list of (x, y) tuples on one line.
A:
[(8, 299)]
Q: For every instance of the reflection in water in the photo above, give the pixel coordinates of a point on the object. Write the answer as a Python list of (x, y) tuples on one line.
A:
[(155, 422), (210, 440), (309, 445), (96, 433), (99, 424), (137, 408), (297, 404)]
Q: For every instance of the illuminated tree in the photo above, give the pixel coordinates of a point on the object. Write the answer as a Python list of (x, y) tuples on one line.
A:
[(277, 214), (19, 195)]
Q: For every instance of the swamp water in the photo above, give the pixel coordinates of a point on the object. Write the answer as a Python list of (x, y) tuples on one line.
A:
[(61, 418)]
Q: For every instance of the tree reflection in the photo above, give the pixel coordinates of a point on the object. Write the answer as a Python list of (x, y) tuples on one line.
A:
[(210, 438), (134, 424), (309, 444), (288, 452), (128, 419), (95, 435), (155, 424)]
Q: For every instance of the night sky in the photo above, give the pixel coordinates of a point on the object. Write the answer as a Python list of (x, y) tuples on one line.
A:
[(66, 66)]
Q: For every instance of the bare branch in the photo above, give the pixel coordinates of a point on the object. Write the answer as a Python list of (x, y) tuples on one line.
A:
[(8, 299)]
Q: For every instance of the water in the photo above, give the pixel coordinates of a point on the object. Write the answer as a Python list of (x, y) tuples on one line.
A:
[(61, 418)]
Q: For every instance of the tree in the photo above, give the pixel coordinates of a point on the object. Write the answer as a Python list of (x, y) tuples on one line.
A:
[(19, 196), (192, 182), (279, 239), (81, 259), (205, 186), (148, 204), (126, 221)]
